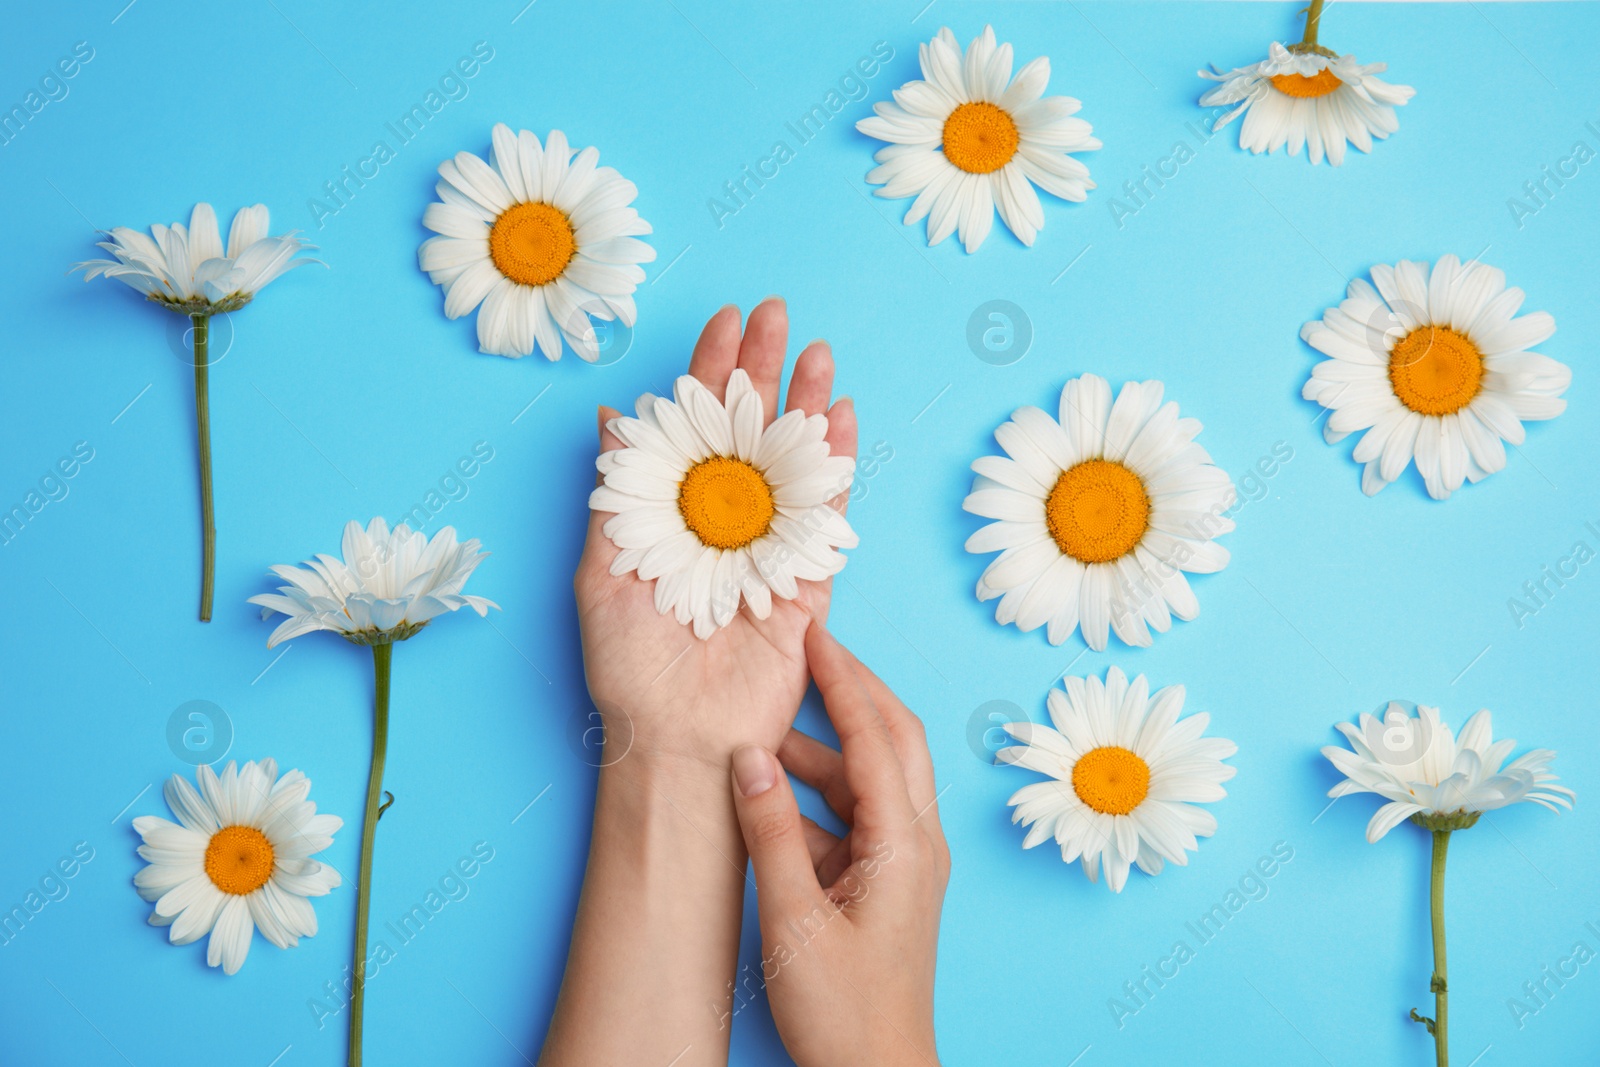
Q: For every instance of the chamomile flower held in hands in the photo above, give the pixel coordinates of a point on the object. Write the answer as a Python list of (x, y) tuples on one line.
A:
[(1443, 783), (1308, 95), (1125, 774), (1433, 368), (718, 511), (188, 271), (541, 238), (387, 588), (239, 859), (968, 140), (1098, 514)]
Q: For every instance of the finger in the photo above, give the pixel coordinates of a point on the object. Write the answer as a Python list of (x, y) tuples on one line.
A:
[(766, 339), (609, 442), (774, 836), (811, 381), (871, 765), (841, 440), (820, 843), (717, 351), (835, 863), (909, 735), (820, 767)]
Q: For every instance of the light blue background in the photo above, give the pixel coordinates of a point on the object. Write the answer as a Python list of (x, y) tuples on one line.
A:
[(347, 394)]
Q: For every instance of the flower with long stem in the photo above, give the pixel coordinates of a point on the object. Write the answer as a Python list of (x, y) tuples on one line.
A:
[(1443, 783), (1307, 94), (189, 272), (386, 588)]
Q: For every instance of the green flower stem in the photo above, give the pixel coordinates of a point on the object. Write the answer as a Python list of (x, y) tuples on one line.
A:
[(1313, 23), (381, 654), (202, 418), (1441, 993)]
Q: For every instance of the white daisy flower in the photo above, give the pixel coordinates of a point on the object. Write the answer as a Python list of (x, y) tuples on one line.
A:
[(386, 588), (1308, 97), (1099, 515), (237, 860), (541, 239), (186, 270), (718, 511), (1436, 780), (1435, 369), (1125, 773), (968, 139)]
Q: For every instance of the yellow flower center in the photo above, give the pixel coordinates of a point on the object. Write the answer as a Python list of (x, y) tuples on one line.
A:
[(1098, 511), (980, 138), (239, 859), (532, 243), (1111, 780), (725, 502), (1321, 83), (1435, 370)]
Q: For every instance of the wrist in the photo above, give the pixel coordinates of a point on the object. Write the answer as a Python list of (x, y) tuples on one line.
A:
[(669, 791)]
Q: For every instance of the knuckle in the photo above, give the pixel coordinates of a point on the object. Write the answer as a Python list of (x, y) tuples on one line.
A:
[(770, 828)]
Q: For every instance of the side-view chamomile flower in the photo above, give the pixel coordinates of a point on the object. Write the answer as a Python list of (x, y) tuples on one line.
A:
[(1436, 368), (718, 511), (187, 271), (1125, 774), (239, 859), (389, 585), (544, 241), (1306, 94), (1443, 783), (1435, 779), (1098, 514), (967, 139)]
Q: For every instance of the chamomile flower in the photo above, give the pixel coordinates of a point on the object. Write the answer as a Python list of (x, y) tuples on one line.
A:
[(544, 240), (967, 139), (187, 270), (1125, 776), (1098, 514), (1308, 96), (386, 588), (1443, 784), (239, 859), (1433, 368), (389, 585), (718, 511), (1433, 778)]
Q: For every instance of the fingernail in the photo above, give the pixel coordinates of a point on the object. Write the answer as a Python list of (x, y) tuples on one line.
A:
[(752, 770), (817, 341), (771, 298), (846, 399)]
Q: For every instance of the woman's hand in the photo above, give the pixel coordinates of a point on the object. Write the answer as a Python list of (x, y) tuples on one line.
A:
[(849, 927), (659, 689), (656, 938)]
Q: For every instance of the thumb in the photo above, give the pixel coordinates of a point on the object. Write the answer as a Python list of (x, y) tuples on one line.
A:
[(786, 883)]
